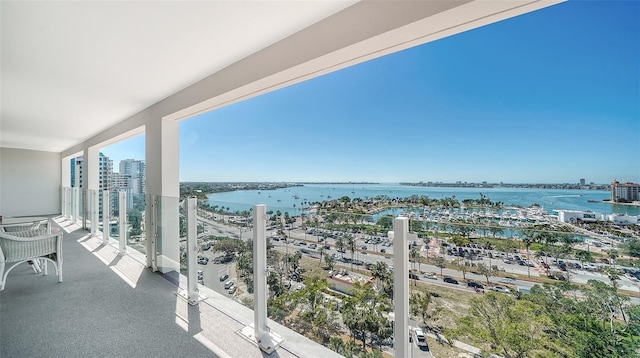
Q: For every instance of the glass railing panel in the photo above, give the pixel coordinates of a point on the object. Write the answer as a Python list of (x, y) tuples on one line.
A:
[(165, 228), (135, 220), (305, 248), (102, 201), (75, 205), (81, 205), (501, 248), (92, 205), (64, 201)]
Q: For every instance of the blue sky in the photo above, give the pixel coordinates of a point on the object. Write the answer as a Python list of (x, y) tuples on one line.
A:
[(550, 97)]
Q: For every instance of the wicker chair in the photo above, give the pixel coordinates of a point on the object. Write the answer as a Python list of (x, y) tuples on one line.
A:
[(28, 226), (32, 245)]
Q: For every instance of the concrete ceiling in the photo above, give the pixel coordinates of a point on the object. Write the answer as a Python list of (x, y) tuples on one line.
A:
[(70, 70), (75, 68)]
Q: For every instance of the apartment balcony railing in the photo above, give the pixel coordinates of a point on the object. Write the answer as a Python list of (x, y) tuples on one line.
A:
[(169, 236)]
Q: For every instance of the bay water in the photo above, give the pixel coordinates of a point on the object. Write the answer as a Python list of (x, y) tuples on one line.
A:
[(295, 199)]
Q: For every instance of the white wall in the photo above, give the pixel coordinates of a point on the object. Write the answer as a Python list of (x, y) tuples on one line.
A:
[(29, 182)]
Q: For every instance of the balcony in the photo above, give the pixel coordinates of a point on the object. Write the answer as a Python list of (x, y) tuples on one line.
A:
[(111, 305)]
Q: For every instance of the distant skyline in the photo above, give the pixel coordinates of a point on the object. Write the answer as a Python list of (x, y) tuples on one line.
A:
[(551, 96)]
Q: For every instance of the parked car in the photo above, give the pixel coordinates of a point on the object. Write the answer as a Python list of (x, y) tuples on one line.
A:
[(228, 285), (448, 279), (474, 284), (420, 338), (430, 275), (232, 290), (203, 261), (500, 289), (223, 277)]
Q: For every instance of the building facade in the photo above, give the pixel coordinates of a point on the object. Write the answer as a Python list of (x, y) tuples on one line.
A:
[(624, 192)]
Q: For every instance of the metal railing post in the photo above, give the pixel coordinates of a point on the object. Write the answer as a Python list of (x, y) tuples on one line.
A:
[(106, 215), (401, 287), (190, 208), (259, 331), (94, 199), (122, 225)]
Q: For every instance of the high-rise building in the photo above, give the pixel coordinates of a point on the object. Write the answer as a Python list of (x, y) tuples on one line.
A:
[(105, 171), (582, 182), (624, 191), (136, 171)]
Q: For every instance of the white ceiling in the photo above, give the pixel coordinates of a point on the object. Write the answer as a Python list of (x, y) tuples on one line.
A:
[(75, 68), (72, 69)]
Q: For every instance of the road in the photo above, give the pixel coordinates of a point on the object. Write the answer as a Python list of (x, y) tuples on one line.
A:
[(371, 256)]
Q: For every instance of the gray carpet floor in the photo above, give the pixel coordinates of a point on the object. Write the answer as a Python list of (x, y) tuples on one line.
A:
[(93, 313)]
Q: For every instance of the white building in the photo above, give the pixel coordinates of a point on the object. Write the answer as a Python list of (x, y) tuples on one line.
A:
[(136, 171), (105, 171), (623, 219), (573, 216), (624, 191)]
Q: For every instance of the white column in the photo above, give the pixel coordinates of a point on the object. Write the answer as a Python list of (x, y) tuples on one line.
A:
[(401, 287), (91, 181), (106, 208), (162, 229), (65, 180), (122, 225), (259, 331)]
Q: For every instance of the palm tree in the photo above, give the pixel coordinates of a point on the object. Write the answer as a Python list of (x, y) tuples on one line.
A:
[(413, 256), (351, 245), (419, 305), (328, 261), (440, 262), (340, 245), (320, 252), (379, 271), (613, 255), (530, 237), (461, 265)]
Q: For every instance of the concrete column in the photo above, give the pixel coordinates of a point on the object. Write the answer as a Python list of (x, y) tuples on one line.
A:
[(122, 225), (162, 228), (401, 287), (93, 209), (106, 208), (65, 179), (91, 180)]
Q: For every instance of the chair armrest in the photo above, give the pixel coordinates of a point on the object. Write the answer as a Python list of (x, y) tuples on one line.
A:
[(16, 248)]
